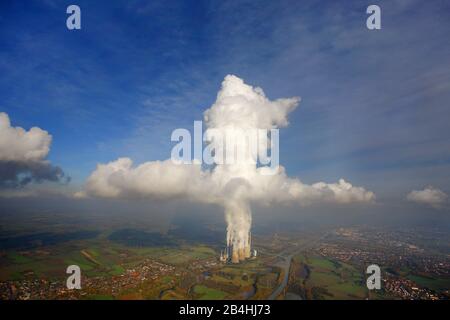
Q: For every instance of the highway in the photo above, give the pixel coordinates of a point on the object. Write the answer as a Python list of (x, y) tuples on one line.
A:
[(283, 284)]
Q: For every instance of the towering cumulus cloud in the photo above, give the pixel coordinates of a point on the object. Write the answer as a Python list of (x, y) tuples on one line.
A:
[(234, 185), (23, 155)]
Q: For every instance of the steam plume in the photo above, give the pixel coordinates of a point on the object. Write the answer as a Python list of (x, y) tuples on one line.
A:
[(234, 186)]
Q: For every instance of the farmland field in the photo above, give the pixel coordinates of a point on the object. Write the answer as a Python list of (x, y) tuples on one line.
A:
[(329, 279), (209, 293)]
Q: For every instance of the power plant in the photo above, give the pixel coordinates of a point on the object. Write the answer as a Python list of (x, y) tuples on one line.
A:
[(235, 254)]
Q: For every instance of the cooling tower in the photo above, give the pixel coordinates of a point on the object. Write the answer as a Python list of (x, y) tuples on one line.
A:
[(235, 256), (247, 249), (241, 253), (247, 252)]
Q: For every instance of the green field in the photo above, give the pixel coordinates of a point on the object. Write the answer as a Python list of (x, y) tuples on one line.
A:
[(329, 279), (15, 257), (96, 257), (435, 284), (100, 297), (175, 256), (206, 293)]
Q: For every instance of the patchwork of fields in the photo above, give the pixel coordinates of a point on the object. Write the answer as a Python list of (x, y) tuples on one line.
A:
[(317, 277)]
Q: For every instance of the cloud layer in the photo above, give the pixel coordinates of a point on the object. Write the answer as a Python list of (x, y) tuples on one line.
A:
[(23, 156), (430, 196)]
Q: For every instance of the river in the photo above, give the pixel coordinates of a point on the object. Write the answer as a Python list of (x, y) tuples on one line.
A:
[(286, 266)]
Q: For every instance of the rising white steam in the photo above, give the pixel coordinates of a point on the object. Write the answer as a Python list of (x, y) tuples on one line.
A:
[(234, 186)]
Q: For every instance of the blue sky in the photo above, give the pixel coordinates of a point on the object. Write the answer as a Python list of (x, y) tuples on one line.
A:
[(375, 104)]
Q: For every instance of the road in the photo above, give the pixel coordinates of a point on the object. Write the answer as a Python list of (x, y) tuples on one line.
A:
[(286, 268)]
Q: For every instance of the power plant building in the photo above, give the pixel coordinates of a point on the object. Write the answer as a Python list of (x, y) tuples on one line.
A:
[(235, 255)]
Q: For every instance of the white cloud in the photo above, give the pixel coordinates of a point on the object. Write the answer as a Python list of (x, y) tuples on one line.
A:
[(430, 196), (23, 156), (234, 186), (17, 144)]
